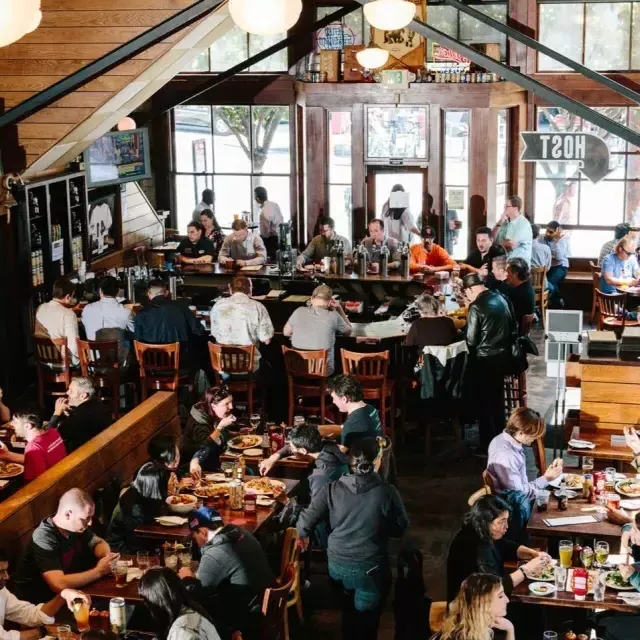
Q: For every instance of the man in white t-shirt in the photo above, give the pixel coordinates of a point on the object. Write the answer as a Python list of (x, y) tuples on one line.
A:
[(270, 219), (207, 202)]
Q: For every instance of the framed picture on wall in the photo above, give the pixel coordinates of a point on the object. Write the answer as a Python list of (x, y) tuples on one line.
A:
[(103, 214)]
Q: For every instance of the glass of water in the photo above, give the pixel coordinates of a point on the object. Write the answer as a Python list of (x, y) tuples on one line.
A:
[(142, 559), (560, 575), (599, 586), (549, 635)]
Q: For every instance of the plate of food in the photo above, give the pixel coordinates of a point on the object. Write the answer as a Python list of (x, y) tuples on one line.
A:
[(574, 481), (245, 442), (544, 574), (171, 521), (265, 487), (182, 504), (629, 488), (614, 580), (215, 477), (570, 493), (211, 490), (10, 469), (542, 588)]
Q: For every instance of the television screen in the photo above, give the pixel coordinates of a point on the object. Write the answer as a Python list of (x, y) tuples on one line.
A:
[(121, 156), (102, 214)]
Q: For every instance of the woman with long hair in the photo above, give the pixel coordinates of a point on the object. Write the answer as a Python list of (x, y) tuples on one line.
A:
[(140, 503), (398, 221), (175, 615), (479, 607), (363, 514), (211, 229)]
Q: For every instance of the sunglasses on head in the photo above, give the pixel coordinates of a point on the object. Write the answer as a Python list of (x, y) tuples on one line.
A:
[(220, 394)]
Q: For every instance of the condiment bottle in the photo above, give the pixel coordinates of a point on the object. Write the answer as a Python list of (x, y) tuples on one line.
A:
[(250, 502), (575, 558), (235, 495), (580, 583)]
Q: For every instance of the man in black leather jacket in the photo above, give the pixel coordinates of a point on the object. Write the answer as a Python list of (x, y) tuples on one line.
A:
[(489, 333)]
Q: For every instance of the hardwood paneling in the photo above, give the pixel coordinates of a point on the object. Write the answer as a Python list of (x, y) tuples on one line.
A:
[(611, 373), (37, 147), (116, 5), (609, 412), (85, 99), (106, 18), (611, 392), (317, 196), (40, 131), (59, 116), (64, 67), (73, 51), (89, 35)]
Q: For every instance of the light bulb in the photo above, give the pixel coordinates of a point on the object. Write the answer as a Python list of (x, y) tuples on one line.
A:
[(265, 17), (372, 57), (126, 124), (389, 15)]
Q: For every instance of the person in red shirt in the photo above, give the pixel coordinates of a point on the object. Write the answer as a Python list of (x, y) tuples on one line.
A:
[(44, 446), (429, 257)]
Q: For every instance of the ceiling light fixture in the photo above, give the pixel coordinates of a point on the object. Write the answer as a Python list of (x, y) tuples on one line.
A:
[(372, 57), (126, 124), (17, 18), (389, 15), (265, 17)]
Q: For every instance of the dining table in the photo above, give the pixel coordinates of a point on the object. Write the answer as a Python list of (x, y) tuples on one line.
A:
[(106, 588), (605, 448)]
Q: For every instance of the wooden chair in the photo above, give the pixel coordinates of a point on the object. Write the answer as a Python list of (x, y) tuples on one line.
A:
[(515, 393), (612, 312), (486, 490), (275, 623), (237, 362), (525, 324), (99, 361), (541, 293), (53, 366), (159, 367), (307, 379), (539, 455), (595, 274), (371, 371), (437, 614), (291, 557)]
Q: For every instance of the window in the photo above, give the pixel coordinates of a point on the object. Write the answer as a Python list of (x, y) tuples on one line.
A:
[(340, 207), (564, 194), (396, 132), (601, 35), (467, 29), (502, 165), (456, 173), (231, 150), (237, 45)]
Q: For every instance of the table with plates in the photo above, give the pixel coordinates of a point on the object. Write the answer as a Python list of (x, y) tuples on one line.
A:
[(12, 483), (603, 450), (106, 588)]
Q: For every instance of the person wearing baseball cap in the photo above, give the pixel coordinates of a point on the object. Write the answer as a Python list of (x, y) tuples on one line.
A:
[(429, 257), (233, 571)]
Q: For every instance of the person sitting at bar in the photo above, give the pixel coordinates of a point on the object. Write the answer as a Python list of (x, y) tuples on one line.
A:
[(107, 319), (56, 319), (81, 415), (432, 328), (325, 244), (140, 503), (479, 260), (63, 552), (540, 251), (211, 230), (206, 435), (558, 242), (480, 547), (520, 291), (5, 413), (429, 257), (241, 320), (513, 230), (27, 614), (175, 615), (400, 222), (242, 248), (233, 571), (44, 444), (195, 248), (207, 202), (479, 607), (620, 268), (364, 513), (270, 219), (315, 326), (362, 419), (378, 239), (620, 231)]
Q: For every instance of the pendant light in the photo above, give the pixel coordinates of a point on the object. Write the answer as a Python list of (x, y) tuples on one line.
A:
[(389, 15), (265, 17), (17, 18), (372, 57), (126, 124)]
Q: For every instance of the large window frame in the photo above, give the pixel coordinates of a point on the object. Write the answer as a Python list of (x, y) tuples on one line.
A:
[(336, 184)]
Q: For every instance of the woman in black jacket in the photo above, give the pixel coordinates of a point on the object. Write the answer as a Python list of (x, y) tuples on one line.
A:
[(480, 547), (140, 503), (363, 512)]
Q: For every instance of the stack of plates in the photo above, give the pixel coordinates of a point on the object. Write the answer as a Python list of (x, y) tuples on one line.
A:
[(602, 343), (630, 344)]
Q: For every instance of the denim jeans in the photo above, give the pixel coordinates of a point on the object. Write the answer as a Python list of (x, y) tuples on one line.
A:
[(365, 588), (555, 277)]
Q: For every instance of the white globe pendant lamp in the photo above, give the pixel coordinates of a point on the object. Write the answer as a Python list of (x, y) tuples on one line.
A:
[(372, 57), (389, 15), (17, 18), (126, 124), (265, 17)]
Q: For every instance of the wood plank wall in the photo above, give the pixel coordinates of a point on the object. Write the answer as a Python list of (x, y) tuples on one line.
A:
[(139, 221), (72, 34)]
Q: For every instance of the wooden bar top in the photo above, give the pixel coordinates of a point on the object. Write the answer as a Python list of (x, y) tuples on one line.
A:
[(607, 360), (604, 450)]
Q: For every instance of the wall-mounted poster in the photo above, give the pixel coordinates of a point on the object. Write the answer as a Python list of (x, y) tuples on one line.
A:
[(102, 215), (406, 47)]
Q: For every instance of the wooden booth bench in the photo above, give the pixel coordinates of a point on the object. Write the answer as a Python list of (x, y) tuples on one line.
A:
[(115, 453)]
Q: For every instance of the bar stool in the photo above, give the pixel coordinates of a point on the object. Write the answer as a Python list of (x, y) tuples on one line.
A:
[(53, 366), (237, 363), (307, 379), (612, 314), (541, 293), (159, 367), (371, 371)]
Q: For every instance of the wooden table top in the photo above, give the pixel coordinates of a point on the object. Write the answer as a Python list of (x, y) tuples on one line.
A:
[(251, 522), (604, 450), (106, 587), (566, 599)]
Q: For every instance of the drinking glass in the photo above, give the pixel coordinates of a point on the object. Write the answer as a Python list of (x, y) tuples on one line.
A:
[(81, 613), (610, 473), (122, 566), (602, 553), (549, 635), (587, 464), (586, 555), (63, 631), (255, 421), (599, 586), (542, 499), (566, 551), (185, 559), (170, 559), (560, 575), (154, 562), (142, 559)]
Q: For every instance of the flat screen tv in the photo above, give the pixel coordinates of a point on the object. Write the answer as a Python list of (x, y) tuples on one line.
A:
[(121, 156)]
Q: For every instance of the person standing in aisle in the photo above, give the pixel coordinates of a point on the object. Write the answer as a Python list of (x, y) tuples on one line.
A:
[(399, 222), (513, 230), (207, 202), (270, 219)]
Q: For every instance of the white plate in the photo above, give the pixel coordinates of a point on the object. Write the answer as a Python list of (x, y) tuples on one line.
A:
[(215, 477), (538, 578), (542, 588), (171, 521), (627, 495), (253, 453), (610, 585)]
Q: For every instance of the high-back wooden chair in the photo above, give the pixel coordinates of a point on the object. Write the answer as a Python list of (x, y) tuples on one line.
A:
[(237, 362), (291, 557), (515, 392), (159, 367), (595, 285), (307, 380), (541, 293), (525, 324), (99, 361), (612, 312), (371, 371), (539, 455), (53, 366), (274, 624)]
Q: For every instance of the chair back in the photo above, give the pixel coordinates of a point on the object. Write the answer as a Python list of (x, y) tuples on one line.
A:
[(369, 368), (487, 482), (99, 358), (52, 352), (611, 305), (290, 552), (232, 359), (525, 324), (158, 361), (538, 278), (274, 624), (539, 454), (594, 268), (305, 364)]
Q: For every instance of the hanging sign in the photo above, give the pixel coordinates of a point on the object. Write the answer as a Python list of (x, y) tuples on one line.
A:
[(444, 54), (589, 151), (455, 198), (57, 250)]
